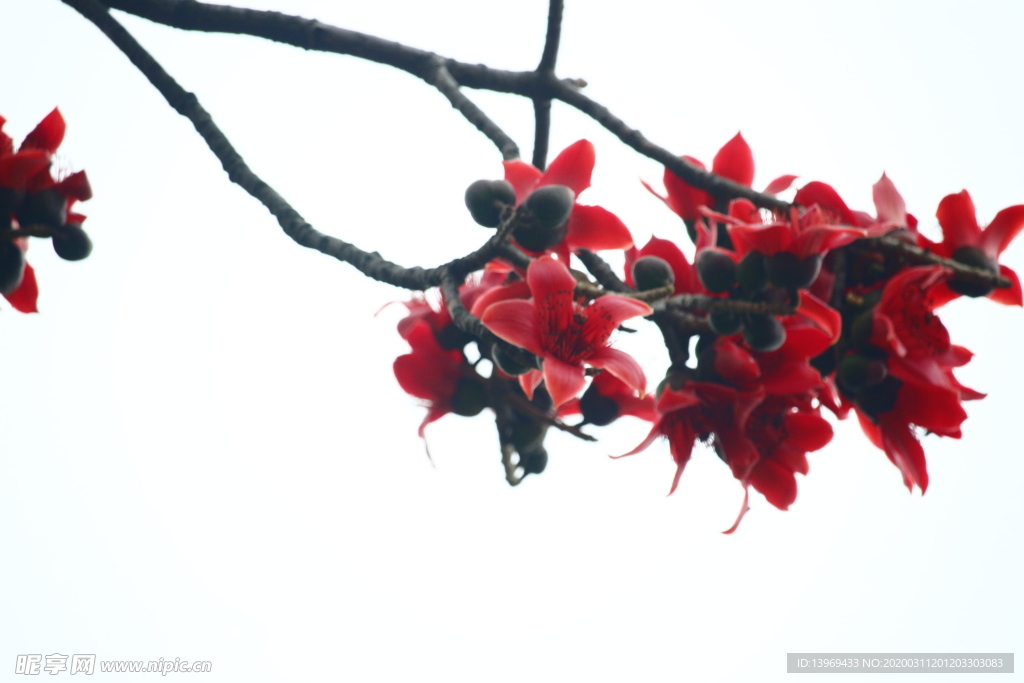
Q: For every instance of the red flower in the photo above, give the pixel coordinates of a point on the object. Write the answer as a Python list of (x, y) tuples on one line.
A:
[(27, 171), (734, 161), (590, 227), (890, 208), (566, 334), (431, 372), (806, 233), (709, 412), (965, 241), (784, 430), (932, 408)]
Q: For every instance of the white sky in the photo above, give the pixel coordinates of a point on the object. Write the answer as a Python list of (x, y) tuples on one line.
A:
[(204, 453)]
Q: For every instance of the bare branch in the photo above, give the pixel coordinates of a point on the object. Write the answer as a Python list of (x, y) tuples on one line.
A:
[(185, 103), (602, 272), (915, 254), (551, 40)]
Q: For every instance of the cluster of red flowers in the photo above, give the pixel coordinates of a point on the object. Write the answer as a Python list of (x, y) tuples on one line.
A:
[(35, 204), (817, 308)]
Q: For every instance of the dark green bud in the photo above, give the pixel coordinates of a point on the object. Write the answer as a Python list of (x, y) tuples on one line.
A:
[(763, 332), (716, 270), (859, 372), (725, 322), (12, 266), (788, 271), (470, 397), (651, 272), (881, 398), (535, 461), (47, 208), (976, 258), (72, 243), (752, 272), (506, 363), (486, 199), (9, 201), (598, 410), (551, 205)]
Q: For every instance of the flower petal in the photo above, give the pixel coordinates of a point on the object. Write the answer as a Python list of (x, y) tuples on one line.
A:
[(563, 381), (17, 169), (515, 321), (516, 290), (528, 382), (596, 228), (685, 200), (735, 161), (807, 431), (780, 184), (24, 297), (620, 364), (1008, 296), (775, 482), (889, 202), (958, 220), (572, 167), (1000, 232), (825, 197), (48, 134), (606, 313)]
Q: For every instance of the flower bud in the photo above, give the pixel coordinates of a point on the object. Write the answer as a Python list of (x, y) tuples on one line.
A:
[(880, 398), (596, 409), (486, 199), (12, 266), (651, 272), (9, 201), (534, 461), (470, 397), (763, 332), (725, 322), (787, 270), (859, 372), (506, 363), (72, 243), (716, 270), (976, 258), (752, 272), (46, 207), (544, 218), (551, 205)]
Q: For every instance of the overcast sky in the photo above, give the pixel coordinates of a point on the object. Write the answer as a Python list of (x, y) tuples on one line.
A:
[(204, 453)]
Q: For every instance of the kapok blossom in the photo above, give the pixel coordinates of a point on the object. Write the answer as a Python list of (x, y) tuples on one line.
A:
[(734, 161), (590, 227), (565, 333), (965, 241)]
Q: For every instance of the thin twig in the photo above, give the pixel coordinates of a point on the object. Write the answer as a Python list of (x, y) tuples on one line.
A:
[(719, 187), (701, 302), (551, 40), (439, 77), (525, 406), (546, 69), (541, 131), (915, 254), (602, 272)]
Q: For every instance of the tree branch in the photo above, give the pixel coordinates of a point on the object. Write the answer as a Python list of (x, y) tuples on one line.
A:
[(310, 34), (294, 225), (602, 272), (915, 254)]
